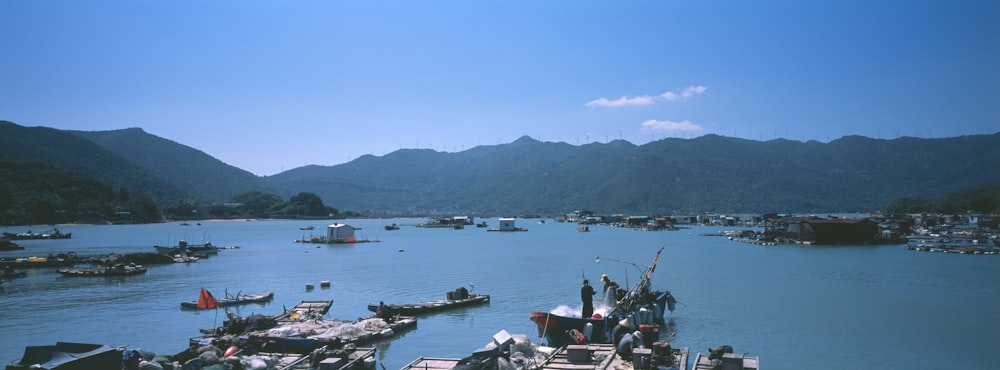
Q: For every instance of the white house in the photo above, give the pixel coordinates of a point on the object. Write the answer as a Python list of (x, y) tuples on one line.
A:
[(340, 233), (507, 224)]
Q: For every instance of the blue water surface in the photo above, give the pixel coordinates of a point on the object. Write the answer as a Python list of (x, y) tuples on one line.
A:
[(794, 306)]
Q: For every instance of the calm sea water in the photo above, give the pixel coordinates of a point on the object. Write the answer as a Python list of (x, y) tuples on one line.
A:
[(844, 307)]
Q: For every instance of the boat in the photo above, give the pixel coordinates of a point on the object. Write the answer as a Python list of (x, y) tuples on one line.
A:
[(392, 227), (69, 356), (182, 258), (641, 305), (10, 273), (6, 245), (231, 301), (517, 351), (120, 269), (32, 262), (308, 228), (583, 229), (183, 247), (431, 306), (723, 358), (303, 330), (443, 222), (51, 234)]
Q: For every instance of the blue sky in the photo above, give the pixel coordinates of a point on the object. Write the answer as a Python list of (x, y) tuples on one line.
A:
[(269, 86)]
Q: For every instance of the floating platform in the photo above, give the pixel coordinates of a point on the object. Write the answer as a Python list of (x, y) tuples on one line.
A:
[(358, 358)]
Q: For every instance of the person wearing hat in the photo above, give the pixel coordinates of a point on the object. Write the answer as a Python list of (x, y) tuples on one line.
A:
[(587, 293), (610, 291), (624, 327), (628, 343)]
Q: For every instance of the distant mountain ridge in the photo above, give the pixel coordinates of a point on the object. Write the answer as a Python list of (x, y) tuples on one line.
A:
[(710, 173), (184, 167), (69, 152)]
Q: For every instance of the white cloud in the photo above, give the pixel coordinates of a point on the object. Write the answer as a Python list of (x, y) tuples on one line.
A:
[(684, 94), (668, 125), (622, 101), (669, 96)]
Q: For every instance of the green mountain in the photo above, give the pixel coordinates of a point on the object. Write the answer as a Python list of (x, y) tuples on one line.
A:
[(710, 173), (68, 152), (197, 173), (707, 174)]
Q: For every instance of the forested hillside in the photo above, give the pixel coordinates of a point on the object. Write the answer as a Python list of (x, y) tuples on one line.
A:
[(710, 173), (63, 150), (705, 174), (199, 174)]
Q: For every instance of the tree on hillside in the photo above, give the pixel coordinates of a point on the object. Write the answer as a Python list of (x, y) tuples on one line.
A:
[(257, 203), (307, 204)]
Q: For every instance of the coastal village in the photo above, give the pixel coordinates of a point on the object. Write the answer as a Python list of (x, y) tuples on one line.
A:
[(304, 338)]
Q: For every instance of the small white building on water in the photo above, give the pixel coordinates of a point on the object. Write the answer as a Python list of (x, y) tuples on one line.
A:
[(340, 233), (507, 224)]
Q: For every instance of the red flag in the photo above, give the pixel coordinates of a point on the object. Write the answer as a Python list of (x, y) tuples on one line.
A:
[(206, 300)]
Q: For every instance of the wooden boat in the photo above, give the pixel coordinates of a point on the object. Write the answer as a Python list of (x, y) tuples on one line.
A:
[(115, 270), (6, 245), (639, 303), (51, 234), (305, 308), (183, 247), (431, 306), (360, 336), (65, 355), (233, 301), (303, 333), (506, 347), (10, 273), (724, 358)]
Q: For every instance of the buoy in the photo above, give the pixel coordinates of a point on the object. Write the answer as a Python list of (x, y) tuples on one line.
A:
[(231, 351)]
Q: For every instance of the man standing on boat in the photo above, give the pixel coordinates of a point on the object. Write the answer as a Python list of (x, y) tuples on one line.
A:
[(587, 293), (610, 291)]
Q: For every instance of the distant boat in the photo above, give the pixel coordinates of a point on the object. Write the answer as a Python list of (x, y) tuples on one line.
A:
[(51, 234), (231, 301), (10, 273), (583, 229), (183, 247), (120, 269), (392, 227), (430, 306), (307, 228)]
